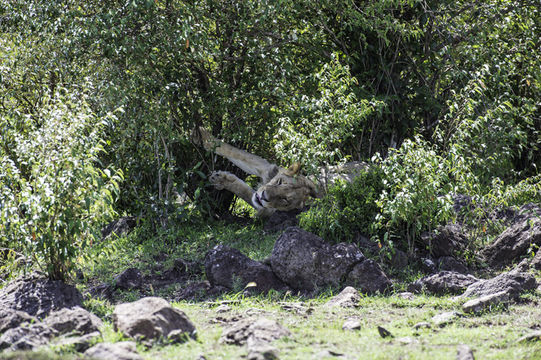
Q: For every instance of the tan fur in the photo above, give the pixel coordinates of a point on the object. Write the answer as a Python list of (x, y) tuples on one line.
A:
[(281, 189)]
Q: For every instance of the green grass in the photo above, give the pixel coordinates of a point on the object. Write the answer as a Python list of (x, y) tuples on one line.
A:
[(492, 334)]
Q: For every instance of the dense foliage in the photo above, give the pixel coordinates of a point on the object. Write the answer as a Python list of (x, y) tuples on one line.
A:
[(442, 96)]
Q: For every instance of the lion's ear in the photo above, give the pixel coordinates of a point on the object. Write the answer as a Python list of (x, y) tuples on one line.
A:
[(294, 169)]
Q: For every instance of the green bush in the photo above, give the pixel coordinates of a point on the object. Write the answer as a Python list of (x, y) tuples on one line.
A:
[(52, 190), (416, 195), (347, 210), (318, 130)]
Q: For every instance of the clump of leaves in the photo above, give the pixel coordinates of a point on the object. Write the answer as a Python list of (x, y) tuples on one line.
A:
[(347, 209), (317, 129), (53, 192), (416, 195)]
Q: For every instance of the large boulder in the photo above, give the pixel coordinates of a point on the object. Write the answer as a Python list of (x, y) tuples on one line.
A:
[(513, 282), (10, 318), (305, 262), (445, 240), (151, 319), (368, 277), (514, 242), (231, 269), (39, 296), (27, 337), (78, 325), (76, 320), (444, 282)]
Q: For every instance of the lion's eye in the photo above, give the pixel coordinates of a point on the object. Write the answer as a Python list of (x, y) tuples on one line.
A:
[(279, 182)]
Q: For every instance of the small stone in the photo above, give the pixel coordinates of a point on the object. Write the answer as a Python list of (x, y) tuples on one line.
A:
[(479, 304), (261, 350), (223, 308), (406, 295), (384, 333), (445, 318), (464, 352), (351, 324), (406, 340), (349, 297), (124, 350), (534, 336), (422, 325)]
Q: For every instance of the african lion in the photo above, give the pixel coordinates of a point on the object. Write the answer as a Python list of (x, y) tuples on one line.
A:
[(281, 189)]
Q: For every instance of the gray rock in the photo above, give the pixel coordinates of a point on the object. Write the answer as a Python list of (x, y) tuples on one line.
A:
[(406, 295), (428, 265), (422, 325), (445, 318), (536, 261), (444, 282), (231, 269), (152, 318), (261, 330), (130, 278), (281, 220), (351, 324), (79, 343), (258, 350), (10, 318), (399, 260), (464, 352), (514, 242), (27, 337), (384, 333), (305, 262), (76, 320), (449, 263), (38, 296), (513, 282), (533, 336), (368, 277), (348, 298), (445, 240), (124, 350), (479, 304)]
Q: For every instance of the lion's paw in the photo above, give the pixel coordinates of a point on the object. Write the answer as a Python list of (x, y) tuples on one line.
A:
[(219, 179)]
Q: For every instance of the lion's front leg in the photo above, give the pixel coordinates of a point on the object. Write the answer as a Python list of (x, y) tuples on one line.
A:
[(225, 180)]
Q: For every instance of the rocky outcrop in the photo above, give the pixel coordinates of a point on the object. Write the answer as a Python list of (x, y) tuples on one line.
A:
[(39, 296), (445, 241), (514, 283), (151, 319), (305, 262), (368, 277), (444, 282), (231, 269), (514, 242), (76, 327)]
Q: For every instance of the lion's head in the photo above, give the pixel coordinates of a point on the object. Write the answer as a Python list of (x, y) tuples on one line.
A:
[(286, 191)]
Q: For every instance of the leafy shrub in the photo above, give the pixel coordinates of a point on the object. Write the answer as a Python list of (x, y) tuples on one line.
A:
[(317, 130), (416, 195), (347, 209), (52, 191)]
